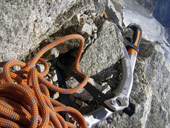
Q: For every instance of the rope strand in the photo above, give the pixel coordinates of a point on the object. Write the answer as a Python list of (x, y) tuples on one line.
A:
[(24, 95)]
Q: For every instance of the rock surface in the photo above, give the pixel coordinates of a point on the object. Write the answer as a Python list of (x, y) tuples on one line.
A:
[(106, 50), (141, 96), (149, 94), (25, 24), (114, 6), (158, 73)]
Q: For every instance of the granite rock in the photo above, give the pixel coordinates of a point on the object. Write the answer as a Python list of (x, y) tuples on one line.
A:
[(106, 50), (24, 24), (149, 94), (157, 73)]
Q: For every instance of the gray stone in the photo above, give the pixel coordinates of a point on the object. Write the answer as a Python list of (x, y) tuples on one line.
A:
[(56, 95), (90, 21), (116, 7), (100, 6), (157, 73), (54, 78), (54, 52), (104, 52), (158, 117), (87, 28), (150, 91), (141, 96), (94, 28), (16, 68), (40, 67), (83, 19), (24, 24), (95, 35)]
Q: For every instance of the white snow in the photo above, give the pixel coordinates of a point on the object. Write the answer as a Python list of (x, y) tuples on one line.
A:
[(150, 26), (152, 29)]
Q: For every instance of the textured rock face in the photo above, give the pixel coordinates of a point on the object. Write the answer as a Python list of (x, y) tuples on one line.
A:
[(141, 96), (158, 73), (106, 50), (115, 9), (24, 24), (150, 92)]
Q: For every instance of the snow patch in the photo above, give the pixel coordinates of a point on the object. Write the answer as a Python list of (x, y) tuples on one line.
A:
[(152, 29)]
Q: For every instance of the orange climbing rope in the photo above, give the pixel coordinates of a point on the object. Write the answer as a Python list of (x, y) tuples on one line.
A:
[(24, 95)]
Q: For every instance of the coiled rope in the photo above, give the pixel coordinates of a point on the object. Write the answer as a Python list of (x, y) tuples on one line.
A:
[(24, 95)]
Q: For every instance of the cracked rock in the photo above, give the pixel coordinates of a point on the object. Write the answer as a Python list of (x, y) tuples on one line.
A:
[(24, 24), (158, 74), (106, 50), (151, 86), (141, 97)]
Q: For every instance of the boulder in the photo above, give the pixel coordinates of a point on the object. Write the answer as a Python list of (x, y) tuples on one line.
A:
[(149, 94), (24, 24), (158, 74), (141, 97), (106, 50), (115, 9)]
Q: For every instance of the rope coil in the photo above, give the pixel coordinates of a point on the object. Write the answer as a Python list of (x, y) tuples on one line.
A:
[(24, 95)]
